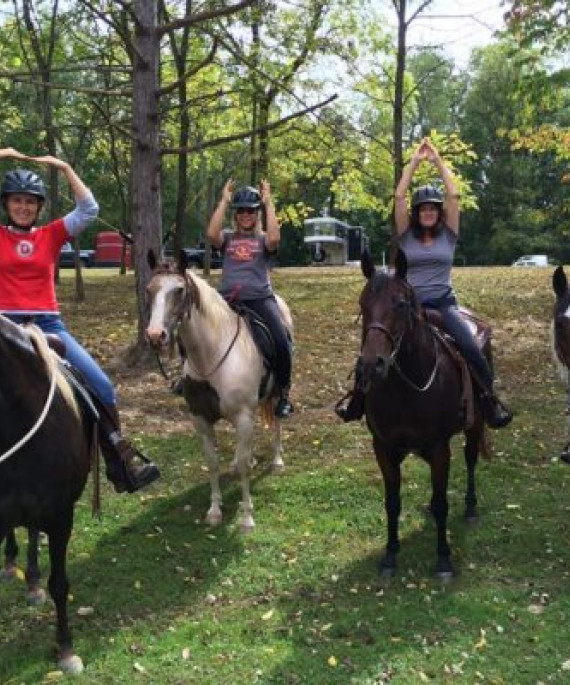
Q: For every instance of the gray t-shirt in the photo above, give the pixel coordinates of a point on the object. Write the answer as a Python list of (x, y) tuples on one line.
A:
[(245, 268), (429, 266)]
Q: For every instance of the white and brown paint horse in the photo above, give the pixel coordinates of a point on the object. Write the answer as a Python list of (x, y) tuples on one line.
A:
[(560, 337), (223, 370)]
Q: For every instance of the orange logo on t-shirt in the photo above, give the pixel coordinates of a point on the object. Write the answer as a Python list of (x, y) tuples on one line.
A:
[(243, 250)]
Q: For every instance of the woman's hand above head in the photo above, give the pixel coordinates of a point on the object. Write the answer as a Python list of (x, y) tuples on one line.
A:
[(228, 191), (265, 191)]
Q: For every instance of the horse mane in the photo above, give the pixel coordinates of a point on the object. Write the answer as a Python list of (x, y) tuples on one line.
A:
[(211, 304), (50, 359)]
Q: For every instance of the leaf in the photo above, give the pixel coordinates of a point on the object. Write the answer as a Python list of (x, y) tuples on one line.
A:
[(267, 615), (332, 661)]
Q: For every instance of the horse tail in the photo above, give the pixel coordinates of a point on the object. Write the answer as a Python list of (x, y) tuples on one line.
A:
[(484, 444), (266, 410)]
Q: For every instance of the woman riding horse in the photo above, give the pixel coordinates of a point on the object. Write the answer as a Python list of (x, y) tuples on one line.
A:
[(245, 270), (28, 254), (428, 238)]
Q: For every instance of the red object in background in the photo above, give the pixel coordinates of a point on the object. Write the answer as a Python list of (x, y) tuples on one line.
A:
[(109, 249)]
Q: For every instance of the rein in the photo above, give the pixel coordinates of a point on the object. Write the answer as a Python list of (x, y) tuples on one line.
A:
[(392, 360), (37, 424)]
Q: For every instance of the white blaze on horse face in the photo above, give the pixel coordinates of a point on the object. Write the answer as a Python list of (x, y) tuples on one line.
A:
[(157, 330)]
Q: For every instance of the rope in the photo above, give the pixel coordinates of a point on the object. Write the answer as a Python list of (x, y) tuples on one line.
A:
[(38, 423)]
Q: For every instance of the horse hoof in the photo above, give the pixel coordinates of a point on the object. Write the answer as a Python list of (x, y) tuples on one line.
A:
[(471, 517), (35, 597), (277, 467), (214, 519), (445, 576), (247, 527), (71, 664), (565, 456)]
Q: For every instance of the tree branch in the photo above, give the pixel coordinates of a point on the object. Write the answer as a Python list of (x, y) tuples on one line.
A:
[(201, 17), (244, 134)]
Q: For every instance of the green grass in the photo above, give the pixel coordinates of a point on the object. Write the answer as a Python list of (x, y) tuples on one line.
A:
[(300, 600)]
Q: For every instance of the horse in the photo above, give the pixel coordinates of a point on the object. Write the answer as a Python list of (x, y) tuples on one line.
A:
[(560, 339), (225, 375), (45, 458), (414, 402)]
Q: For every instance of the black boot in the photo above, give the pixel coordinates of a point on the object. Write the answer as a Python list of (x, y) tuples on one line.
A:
[(495, 413), (126, 467), (351, 406), (283, 408), (565, 454)]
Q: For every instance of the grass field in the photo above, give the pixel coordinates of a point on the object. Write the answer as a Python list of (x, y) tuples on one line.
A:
[(159, 597)]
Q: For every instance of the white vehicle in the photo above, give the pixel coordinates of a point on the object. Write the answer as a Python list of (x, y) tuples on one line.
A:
[(532, 260)]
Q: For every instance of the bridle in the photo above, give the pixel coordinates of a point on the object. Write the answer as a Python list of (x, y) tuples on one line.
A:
[(396, 343), (184, 312)]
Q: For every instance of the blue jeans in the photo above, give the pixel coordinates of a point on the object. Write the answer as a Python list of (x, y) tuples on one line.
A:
[(75, 354), (455, 326)]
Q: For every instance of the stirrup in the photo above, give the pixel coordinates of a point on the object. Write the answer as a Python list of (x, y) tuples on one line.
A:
[(126, 475), (284, 408), (350, 407)]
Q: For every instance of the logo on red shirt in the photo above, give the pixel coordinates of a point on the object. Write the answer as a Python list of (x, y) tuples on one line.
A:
[(25, 248)]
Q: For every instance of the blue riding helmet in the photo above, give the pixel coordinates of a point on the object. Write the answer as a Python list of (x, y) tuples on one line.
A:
[(23, 181)]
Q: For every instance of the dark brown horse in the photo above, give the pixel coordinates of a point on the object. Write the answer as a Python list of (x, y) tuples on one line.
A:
[(44, 458), (413, 401), (561, 339)]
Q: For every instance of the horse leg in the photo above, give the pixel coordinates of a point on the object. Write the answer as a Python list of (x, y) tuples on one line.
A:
[(439, 507), (35, 594), (390, 467), (10, 555), (214, 515), (473, 439), (244, 430), (277, 463), (58, 585)]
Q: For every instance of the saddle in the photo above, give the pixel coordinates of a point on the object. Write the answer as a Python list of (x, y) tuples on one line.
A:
[(261, 337), (481, 331)]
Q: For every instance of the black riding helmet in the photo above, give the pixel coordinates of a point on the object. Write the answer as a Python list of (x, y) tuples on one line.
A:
[(23, 181), (247, 197), (425, 195)]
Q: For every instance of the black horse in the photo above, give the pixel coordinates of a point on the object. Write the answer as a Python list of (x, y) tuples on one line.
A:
[(415, 392), (561, 339), (45, 456)]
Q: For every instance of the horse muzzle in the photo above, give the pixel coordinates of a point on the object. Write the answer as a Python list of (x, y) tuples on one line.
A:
[(377, 369), (157, 338)]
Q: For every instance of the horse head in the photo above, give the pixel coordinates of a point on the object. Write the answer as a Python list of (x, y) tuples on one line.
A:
[(561, 318), (388, 308), (172, 293)]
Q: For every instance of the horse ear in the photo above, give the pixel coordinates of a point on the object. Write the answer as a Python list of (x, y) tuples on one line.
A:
[(401, 265), (367, 264), (182, 261), (151, 259), (559, 282)]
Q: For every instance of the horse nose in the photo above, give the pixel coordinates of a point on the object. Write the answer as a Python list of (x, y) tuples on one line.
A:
[(157, 337)]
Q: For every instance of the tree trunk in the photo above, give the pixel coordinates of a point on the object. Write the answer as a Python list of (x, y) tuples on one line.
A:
[(146, 202)]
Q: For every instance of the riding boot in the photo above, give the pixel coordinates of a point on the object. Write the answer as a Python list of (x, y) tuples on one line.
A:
[(351, 406), (283, 408), (121, 457), (495, 413)]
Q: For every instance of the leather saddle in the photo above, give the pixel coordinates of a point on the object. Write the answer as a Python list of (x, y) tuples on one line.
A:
[(480, 329)]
